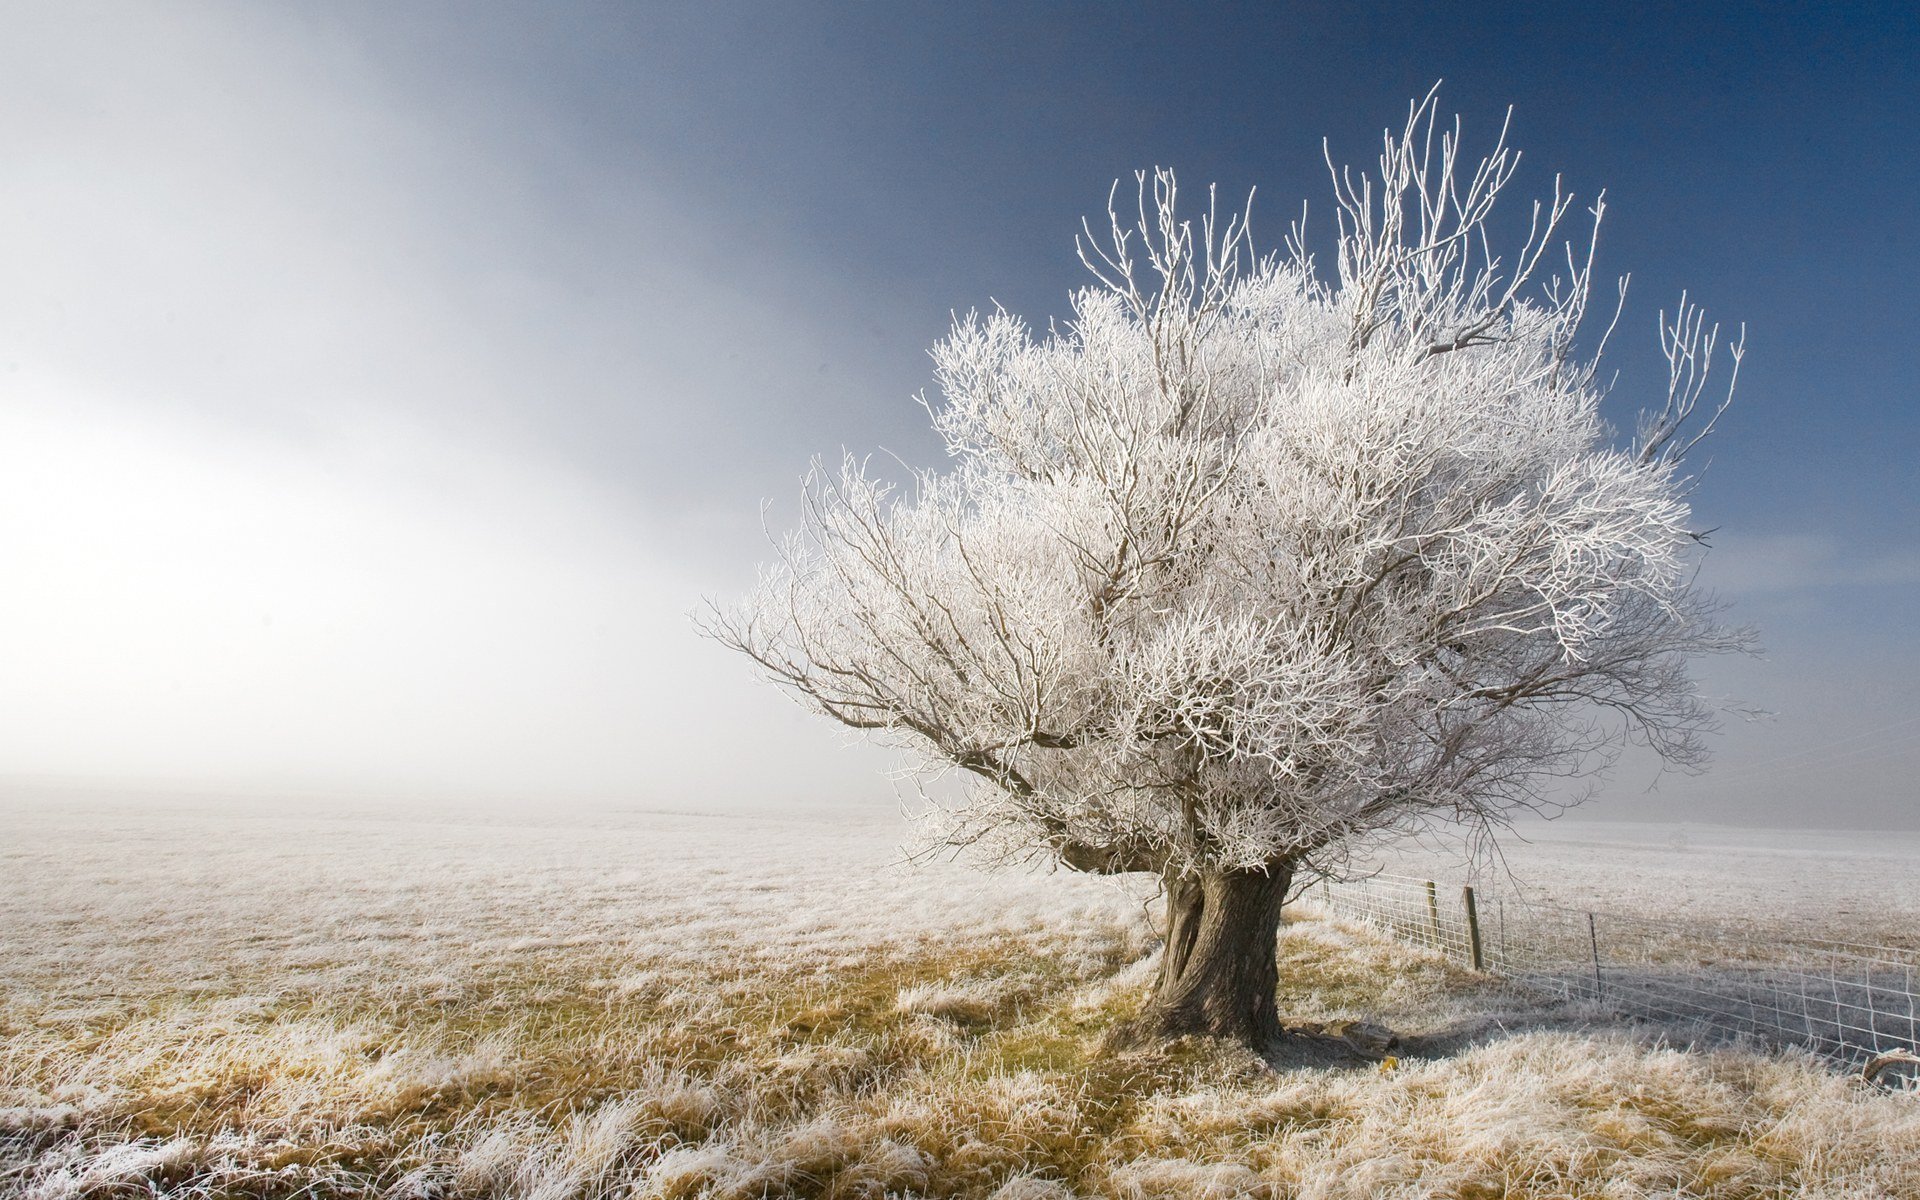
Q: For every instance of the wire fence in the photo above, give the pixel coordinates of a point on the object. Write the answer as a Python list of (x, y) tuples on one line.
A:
[(1706, 982)]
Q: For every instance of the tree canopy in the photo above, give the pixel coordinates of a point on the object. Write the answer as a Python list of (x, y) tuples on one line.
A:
[(1247, 559)]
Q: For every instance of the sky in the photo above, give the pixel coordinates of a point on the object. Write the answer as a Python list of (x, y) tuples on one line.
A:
[(381, 386)]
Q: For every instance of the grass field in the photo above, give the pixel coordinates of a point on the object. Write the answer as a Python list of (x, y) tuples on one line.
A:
[(219, 1001)]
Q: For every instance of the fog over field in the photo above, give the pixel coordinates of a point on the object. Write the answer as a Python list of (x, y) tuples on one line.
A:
[(1843, 885)]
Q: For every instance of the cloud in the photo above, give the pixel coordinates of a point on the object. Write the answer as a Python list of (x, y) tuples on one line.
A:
[(247, 214), (1760, 565), (190, 603), (352, 441)]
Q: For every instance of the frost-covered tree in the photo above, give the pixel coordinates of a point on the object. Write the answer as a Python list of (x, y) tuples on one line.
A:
[(1244, 564)]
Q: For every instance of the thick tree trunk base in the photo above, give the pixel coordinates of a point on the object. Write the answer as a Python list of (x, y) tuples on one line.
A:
[(1220, 969)]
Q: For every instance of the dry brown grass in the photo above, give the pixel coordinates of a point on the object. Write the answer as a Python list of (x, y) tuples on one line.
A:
[(959, 1062)]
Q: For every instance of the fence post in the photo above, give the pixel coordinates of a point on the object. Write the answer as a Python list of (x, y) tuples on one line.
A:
[(1433, 915), (1475, 958), (1593, 939)]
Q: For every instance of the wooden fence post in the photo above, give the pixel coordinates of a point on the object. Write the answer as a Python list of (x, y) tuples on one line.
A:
[(1475, 958), (1593, 939), (1433, 914)]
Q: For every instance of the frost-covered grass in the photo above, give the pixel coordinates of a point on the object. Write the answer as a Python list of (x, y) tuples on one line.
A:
[(222, 1003)]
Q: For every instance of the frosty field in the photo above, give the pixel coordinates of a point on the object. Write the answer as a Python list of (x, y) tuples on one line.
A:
[(208, 1000), (1840, 885)]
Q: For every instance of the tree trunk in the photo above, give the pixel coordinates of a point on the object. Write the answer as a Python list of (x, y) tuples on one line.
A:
[(1220, 968)]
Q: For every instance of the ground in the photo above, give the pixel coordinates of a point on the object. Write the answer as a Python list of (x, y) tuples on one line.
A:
[(222, 1000)]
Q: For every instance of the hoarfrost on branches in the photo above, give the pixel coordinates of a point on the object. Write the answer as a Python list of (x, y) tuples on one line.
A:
[(1242, 563)]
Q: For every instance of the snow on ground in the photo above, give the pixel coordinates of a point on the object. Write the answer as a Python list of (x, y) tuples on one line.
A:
[(125, 898), (128, 899)]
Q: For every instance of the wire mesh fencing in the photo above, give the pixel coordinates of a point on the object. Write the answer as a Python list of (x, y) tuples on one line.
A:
[(1706, 982)]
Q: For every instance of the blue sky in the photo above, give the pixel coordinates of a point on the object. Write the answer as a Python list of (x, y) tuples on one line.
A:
[(383, 383)]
